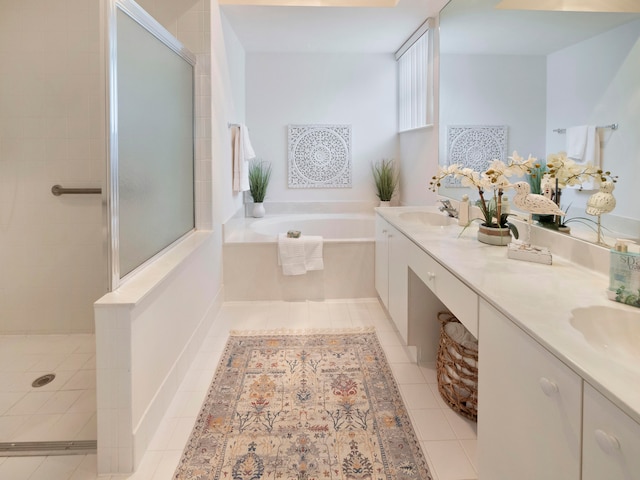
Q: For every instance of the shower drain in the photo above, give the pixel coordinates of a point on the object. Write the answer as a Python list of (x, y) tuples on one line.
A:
[(43, 380)]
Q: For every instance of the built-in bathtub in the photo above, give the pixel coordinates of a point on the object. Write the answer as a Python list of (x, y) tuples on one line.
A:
[(250, 257)]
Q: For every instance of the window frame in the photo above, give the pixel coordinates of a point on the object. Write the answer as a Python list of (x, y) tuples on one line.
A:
[(415, 104)]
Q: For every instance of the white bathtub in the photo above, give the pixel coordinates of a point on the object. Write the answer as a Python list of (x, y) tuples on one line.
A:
[(349, 226), (250, 258)]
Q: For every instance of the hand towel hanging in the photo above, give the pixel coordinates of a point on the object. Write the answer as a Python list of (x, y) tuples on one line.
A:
[(242, 152)]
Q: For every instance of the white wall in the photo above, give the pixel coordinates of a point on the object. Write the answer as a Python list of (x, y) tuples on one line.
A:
[(495, 90), (52, 131), (471, 90), (229, 106), (236, 61), (292, 88), (597, 82), (419, 148), (419, 156)]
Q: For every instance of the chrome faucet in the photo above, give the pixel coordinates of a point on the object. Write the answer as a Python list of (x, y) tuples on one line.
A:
[(447, 207)]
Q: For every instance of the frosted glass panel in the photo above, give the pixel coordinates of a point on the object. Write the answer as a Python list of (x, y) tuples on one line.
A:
[(155, 144)]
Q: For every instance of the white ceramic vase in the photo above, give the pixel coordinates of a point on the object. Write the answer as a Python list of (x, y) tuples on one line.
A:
[(385, 203), (258, 210)]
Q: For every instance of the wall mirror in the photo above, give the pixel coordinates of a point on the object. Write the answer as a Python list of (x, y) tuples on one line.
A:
[(537, 72)]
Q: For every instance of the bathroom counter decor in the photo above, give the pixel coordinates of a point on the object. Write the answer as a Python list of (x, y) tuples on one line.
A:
[(490, 183)]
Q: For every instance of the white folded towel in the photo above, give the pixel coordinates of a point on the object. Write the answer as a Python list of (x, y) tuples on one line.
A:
[(592, 149), (576, 138), (299, 255), (242, 152), (313, 252), (583, 146), (291, 255)]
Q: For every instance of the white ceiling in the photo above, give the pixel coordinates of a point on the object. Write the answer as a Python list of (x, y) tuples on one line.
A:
[(328, 29), (470, 26), (475, 27)]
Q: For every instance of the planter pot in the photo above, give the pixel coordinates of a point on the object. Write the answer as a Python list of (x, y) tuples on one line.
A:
[(494, 236), (385, 203), (258, 210)]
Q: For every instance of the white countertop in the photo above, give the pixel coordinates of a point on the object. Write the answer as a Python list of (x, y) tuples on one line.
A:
[(538, 298)]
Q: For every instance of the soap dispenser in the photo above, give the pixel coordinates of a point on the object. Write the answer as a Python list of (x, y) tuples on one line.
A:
[(624, 273), (463, 211)]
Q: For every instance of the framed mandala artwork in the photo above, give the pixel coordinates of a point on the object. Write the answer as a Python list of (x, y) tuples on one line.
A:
[(319, 156), (474, 146)]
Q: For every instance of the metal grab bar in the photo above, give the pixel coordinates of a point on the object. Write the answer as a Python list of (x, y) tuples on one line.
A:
[(58, 190)]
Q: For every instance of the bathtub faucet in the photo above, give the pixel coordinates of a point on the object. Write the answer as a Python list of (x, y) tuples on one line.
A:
[(447, 207)]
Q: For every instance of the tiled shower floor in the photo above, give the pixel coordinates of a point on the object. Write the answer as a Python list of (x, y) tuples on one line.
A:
[(448, 440), (64, 409)]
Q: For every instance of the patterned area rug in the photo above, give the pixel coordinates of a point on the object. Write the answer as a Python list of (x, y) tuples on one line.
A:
[(303, 407)]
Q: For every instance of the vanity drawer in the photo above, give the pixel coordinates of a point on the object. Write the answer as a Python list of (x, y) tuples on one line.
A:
[(456, 296)]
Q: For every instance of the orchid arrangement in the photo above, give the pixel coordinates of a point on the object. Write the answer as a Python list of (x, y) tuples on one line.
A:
[(568, 173), (490, 184), (559, 172)]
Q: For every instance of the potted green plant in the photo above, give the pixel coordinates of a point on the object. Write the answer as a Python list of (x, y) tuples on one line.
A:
[(259, 176), (386, 179)]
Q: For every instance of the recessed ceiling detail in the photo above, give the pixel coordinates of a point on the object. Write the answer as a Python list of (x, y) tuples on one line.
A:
[(313, 3), (603, 6)]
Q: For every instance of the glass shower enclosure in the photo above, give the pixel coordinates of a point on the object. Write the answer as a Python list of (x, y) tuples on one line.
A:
[(96, 179), (151, 174)]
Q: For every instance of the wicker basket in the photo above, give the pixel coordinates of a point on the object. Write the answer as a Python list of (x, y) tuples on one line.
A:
[(457, 371)]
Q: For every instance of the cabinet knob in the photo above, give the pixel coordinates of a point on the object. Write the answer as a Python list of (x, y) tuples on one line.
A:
[(548, 387), (607, 442), (384, 231), (431, 275)]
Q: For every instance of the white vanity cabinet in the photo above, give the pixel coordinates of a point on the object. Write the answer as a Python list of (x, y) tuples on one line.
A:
[(529, 406), (395, 254), (537, 418), (455, 295), (391, 275), (382, 259), (611, 440)]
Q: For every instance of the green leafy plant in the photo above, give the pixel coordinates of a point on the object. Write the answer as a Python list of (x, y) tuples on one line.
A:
[(629, 298), (535, 174), (259, 176), (554, 224), (386, 178), (494, 217)]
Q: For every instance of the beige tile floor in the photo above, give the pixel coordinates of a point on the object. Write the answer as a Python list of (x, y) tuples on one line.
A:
[(448, 440), (64, 409)]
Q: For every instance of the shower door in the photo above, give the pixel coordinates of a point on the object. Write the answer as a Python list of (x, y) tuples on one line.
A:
[(151, 139)]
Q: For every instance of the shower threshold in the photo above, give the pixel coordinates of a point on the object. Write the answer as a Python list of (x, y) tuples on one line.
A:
[(29, 449)]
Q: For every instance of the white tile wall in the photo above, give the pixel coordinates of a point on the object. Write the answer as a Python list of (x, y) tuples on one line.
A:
[(51, 131)]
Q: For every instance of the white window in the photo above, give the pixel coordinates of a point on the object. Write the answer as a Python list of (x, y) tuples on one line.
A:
[(414, 80)]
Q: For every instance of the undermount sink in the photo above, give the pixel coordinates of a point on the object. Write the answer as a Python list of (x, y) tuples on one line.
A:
[(428, 218), (612, 331)]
